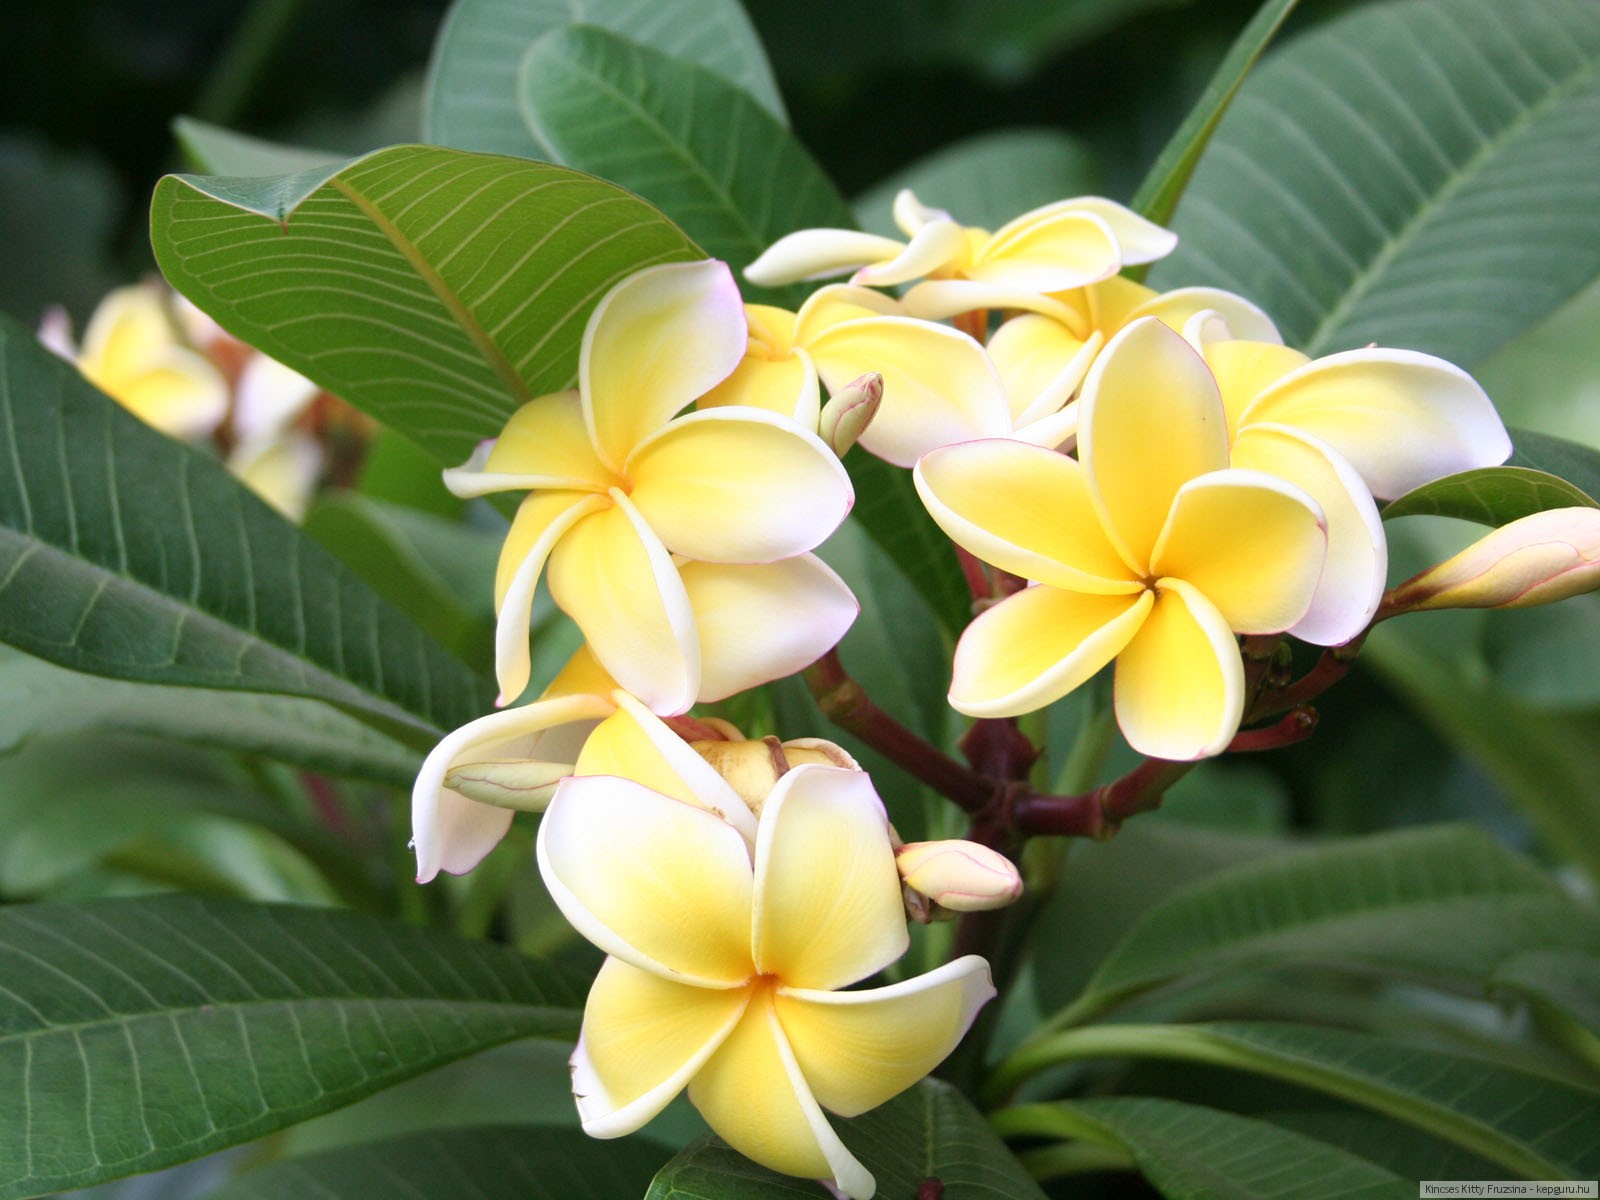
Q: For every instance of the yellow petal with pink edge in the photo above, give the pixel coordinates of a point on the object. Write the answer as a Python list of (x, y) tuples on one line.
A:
[(1037, 645), (753, 1095), (1179, 690), (738, 485), (544, 445), (611, 574), (818, 253), (938, 385), (1061, 249), (1402, 419), (934, 246), (828, 909), (660, 884), (657, 341), (643, 1039), (1252, 544), (1041, 362), (858, 1049), (764, 621), (839, 302), (542, 520), (452, 833), (786, 386), (1139, 240), (1351, 585), (1149, 420), (1244, 369), (635, 744), (1025, 510)]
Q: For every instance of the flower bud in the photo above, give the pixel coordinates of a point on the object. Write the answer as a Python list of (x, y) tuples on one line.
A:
[(959, 876), (751, 768), (525, 785), (1538, 559), (849, 411)]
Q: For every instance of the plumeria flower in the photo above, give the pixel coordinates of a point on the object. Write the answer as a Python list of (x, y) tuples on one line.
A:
[(1346, 428), (729, 931), (1063, 245), (623, 493), (1147, 549), (277, 461), (132, 351)]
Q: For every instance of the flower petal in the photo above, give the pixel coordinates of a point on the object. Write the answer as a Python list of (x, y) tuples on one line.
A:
[(660, 884), (764, 621), (282, 469), (1141, 241), (827, 894), (1025, 510), (1179, 691), (267, 397), (658, 340), (1052, 250), (1402, 419), (1245, 369), (643, 1039), (738, 485), (1351, 585), (938, 385), (937, 299), (184, 396), (450, 832), (786, 386), (839, 302), (754, 1096), (816, 254), (1251, 543), (611, 574), (1036, 646), (1149, 420), (858, 1049), (545, 444), (1041, 363), (541, 521), (1243, 319), (635, 744), (931, 247)]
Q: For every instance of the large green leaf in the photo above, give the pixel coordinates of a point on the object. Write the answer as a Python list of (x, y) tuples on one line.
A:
[(928, 1132), (678, 134), (138, 1033), (472, 83), (1194, 1153), (1566, 981), (1417, 174), (213, 150), (496, 1162), (1443, 903), (435, 289), (1544, 472), (128, 554)]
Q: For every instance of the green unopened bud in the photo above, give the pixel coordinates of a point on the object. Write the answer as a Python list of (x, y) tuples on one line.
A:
[(1538, 559), (959, 876), (849, 411), (525, 785)]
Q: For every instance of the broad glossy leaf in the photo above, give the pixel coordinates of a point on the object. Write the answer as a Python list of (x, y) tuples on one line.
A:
[(987, 179), (928, 1132), (1492, 496), (1168, 176), (472, 81), (1567, 981), (42, 698), (1444, 903), (1403, 1149), (1575, 462), (495, 1162), (1193, 1153), (213, 150), (128, 554), (435, 289), (193, 1024), (681, 136), (1418, 174)]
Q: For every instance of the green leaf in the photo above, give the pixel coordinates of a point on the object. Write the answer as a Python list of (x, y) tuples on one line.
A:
[(128, 554), (435, 289), (192, 1024), (496, 1162), (928, 1132), (1403, 1149), (681, 136), (1573, 462), (1567, 981), (1492, 496), (214, 150), (1192, 1153), (472, 82), (44, 699), (1412, 173), (1444, 903), (987, 179), (1164, 183)]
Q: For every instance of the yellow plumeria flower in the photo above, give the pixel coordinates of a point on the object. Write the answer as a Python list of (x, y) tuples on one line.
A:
[(728, 933), (1050, 249), (1345, 428), (622, 493), (1147, 549), (132, 351)]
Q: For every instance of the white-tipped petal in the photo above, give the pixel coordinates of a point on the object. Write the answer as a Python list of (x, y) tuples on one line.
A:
[(931, 247), (818, 253)]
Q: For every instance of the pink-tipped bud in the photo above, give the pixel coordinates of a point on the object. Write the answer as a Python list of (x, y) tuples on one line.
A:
[(1538, 559), (959, 876), (849, 411), (525, 785)]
